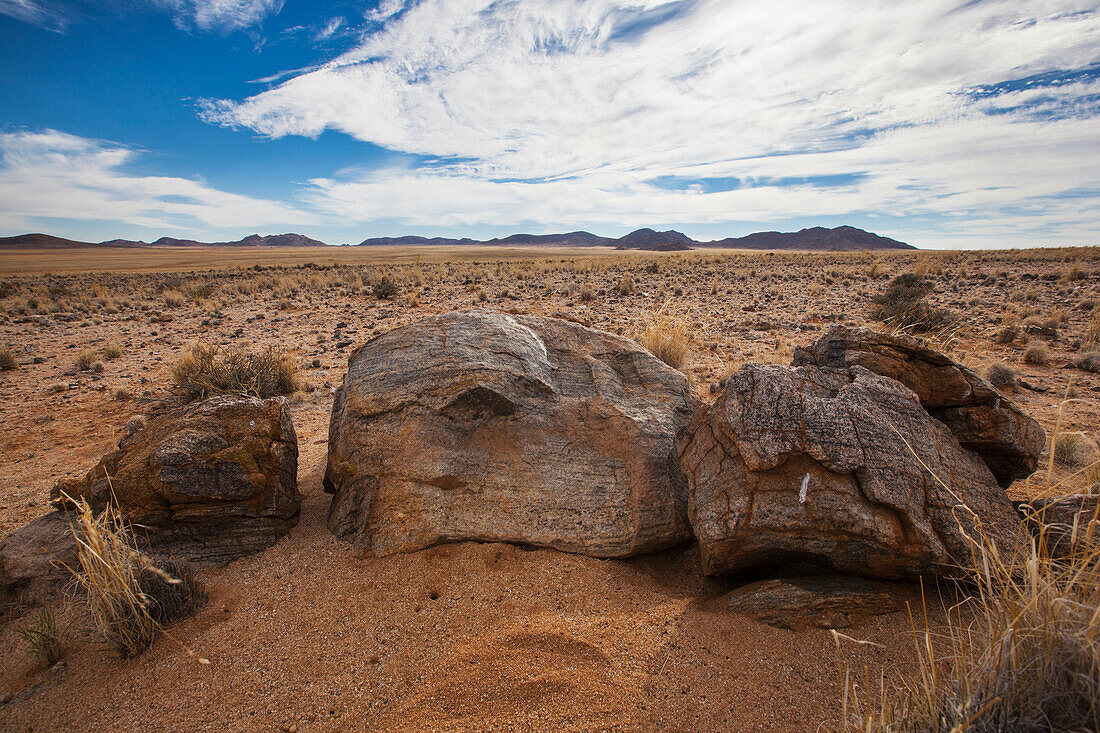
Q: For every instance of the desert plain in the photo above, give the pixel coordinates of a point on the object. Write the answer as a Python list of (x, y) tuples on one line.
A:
[(310, 636)]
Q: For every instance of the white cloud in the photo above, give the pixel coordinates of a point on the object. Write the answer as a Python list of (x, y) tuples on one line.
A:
[(223, 16), (587, 100), (54, 175), (30, 11)]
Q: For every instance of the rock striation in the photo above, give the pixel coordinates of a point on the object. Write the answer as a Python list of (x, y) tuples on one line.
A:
[(983, 421), (822, 601), (207, 482), (494, 427), (210, 481), (843, 466)]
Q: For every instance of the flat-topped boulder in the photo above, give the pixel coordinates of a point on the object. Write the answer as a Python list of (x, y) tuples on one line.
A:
[(982, 420), (209, 481), (495, 427), (842, 466)]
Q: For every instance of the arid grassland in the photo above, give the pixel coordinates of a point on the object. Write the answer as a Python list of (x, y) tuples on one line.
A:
[(309, 636)]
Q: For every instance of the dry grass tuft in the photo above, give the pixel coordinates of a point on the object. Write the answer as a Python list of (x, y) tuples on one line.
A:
[(1037, 353), (1020, 653), (130, 596), (1000, 374), (110, 571), (7, 361), (667, 338), (42, 639), (203, 371)]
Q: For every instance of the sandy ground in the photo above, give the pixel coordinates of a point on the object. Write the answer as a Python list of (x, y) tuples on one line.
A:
[(308, 636)]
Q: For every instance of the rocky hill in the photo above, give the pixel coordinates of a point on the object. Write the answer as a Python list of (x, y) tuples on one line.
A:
[(839, 239), (654, 241), (40, 241)]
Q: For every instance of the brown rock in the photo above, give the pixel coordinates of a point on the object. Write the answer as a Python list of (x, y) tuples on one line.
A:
[(210, 481), (824, 601), (812, 463), (33, 561), (486, 426), (983, 421)]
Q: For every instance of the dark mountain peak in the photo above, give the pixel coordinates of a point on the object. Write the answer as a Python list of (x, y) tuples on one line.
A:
[(649, 239), (37, 240), (839, 239)]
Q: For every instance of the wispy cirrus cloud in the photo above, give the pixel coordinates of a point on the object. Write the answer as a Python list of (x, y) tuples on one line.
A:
[(565, 110), (208, 16), (222, 16), (51, 175), (35, 13)]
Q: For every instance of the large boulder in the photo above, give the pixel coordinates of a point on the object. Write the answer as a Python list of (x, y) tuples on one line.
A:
[(982, 420), (494, 427), (210, 481), (842, 466)]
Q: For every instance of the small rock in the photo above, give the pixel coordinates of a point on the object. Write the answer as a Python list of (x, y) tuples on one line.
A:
[(825, 601)]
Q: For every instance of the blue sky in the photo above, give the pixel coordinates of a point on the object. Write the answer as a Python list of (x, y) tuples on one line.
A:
[(945, 124)]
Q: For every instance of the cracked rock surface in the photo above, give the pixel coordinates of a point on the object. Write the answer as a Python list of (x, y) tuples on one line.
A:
[(493, 427), (210, 481), (980, 417), (842, 466)]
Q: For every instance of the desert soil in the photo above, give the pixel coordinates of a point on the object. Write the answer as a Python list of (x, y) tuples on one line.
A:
[(308, 636)]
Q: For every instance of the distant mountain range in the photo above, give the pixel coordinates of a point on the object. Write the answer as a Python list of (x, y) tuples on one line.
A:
[(843, 238)]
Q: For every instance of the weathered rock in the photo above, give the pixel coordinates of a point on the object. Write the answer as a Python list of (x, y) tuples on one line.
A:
[(1009, 441), (838, 465), (824, 601), (210, 481), (33, 561), (1070, 524), (487, 426)]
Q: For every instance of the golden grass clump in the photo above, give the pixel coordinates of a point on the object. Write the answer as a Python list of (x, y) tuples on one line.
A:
[(110, 571), (667, 338), (7, 361), (130, 596), (203, 371), (1020, 653)]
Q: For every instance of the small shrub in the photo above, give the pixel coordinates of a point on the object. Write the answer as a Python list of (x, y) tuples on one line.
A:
[(385, 288), (173, 299), (42, 640), (203, 371), (902, 305), (1000, 374), (667, 338), (172, 589), (7, 360), (1090, 362), (1037, 353), (84, 360), (1068, 448), (482, 296), (586, 294), (625, 286), (111, 351), (1006, 335)]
